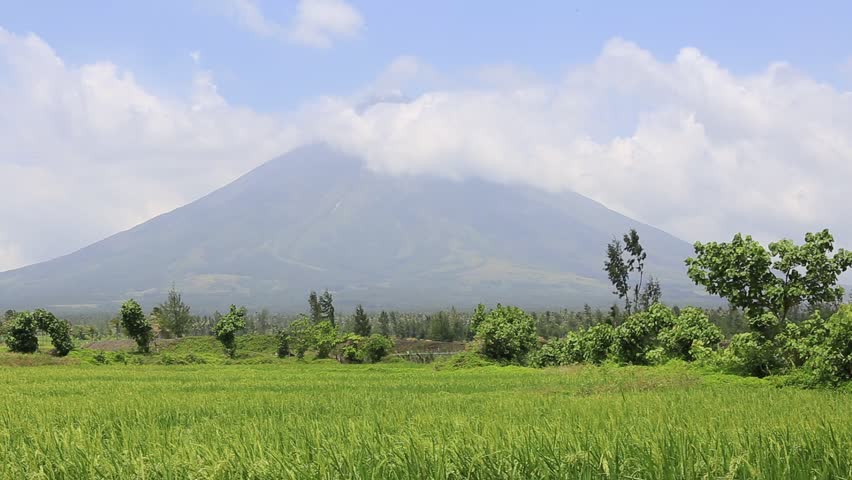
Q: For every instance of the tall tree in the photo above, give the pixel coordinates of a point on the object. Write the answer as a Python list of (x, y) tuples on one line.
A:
[(360, 322), (384, 324), (173, 314), (136, 325), (315, 310), (228, 326), (622, 260), (774, 279), (326, 304)]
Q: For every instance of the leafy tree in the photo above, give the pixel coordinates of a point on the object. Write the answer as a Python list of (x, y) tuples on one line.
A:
[(384, 324), (173, 315), (638, 335), (326, 305), (283, 350), (823, 348), (315, 310), (506, 334), (227, 328), (136, 325), (22, 333), (692, 328), (377, 347), (597, 342), (300, 336), (621, 261), (58, 330), (360, 322), (440, 327), (324, 336), (774, 279), (561, 351)]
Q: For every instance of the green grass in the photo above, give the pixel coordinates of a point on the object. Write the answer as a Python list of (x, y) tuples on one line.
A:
[(307, 420)]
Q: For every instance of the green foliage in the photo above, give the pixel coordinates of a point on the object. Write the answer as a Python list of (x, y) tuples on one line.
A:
[(173, 315), (326, 306), (621, 261), (751, 354), (638, 335), (227, 328), (506, 334), (558, 352), (22, 333), (376, 347), (691, 329), (822, 348), (136, 325), (464, 360), (774, 280), (384, 324), (283, 350), (60, 336), (354, 348), (597, 343), (314, 308), (300, 336), (324, 338), (360, 322)]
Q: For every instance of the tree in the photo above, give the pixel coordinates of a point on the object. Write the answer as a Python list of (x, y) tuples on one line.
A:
[(620, 267), (774, 279), (315, 310), (300, 336), (326, 305), (360, 322), (173, 315), (227, 328), (324, 338), (136, 325), (691, 329), (384, 323), (506, 334), (22, 333)]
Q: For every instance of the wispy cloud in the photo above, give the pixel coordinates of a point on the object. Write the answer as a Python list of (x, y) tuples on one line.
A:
[(316, 23)]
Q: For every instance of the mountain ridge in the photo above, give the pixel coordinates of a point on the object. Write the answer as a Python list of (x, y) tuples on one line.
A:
[(315, 218)]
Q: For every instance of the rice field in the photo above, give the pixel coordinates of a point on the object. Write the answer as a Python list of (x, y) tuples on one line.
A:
[(322, 420)]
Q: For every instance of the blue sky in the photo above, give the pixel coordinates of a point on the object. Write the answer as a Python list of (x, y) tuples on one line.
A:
[(701, 118)]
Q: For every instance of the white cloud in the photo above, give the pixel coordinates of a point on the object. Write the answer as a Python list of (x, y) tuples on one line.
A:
[(683, 144), (87, 151), (317, 23)]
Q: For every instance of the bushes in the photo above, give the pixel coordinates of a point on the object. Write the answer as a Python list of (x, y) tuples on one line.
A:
[(822, 348), (597, 342), (562, 351), (691, 329), (638, 335), (228, 326), (355, 348), (22, 332), (136, 325), (506, 334)]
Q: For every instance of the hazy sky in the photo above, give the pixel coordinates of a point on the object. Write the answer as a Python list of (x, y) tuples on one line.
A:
[(702, 119)]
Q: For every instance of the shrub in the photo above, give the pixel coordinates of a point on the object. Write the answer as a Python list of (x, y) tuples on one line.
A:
[(136, 324), (823, 348), (300, 336), (563, 351), (751, 354), (638, 335), (21, 333), (354, 348), (120, 357), (464, 360), (506, 334), (228, 326), (101, 358), (376, 347), (323, 338), (283, 350), (60, 336), (691, 329), (597, 343)]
